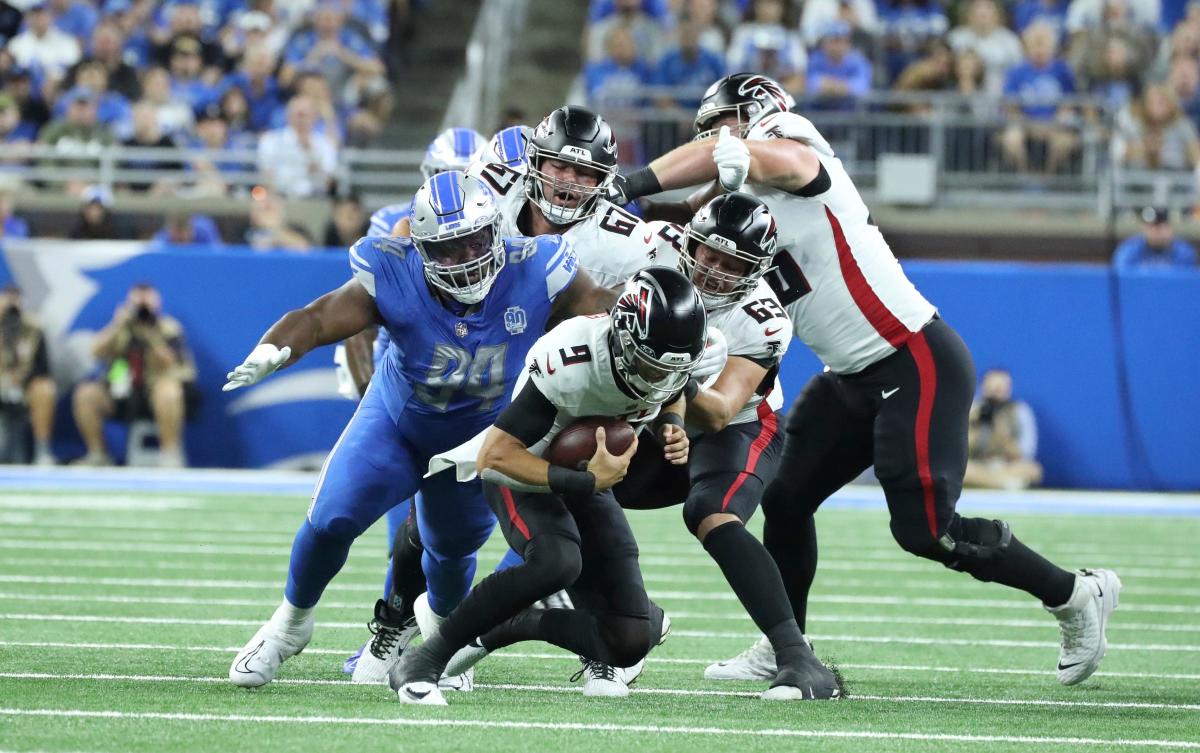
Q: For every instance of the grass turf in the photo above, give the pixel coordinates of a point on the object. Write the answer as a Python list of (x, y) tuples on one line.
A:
[(119, 614)]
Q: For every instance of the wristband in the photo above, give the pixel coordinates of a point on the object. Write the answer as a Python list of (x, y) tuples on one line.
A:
[(640, 183), (571, 483), (691, 389), (671, 419)]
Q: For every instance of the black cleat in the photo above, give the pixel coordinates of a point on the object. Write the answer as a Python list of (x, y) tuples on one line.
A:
[(804, 678)]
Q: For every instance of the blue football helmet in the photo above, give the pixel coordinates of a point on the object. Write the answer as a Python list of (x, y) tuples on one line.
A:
[(453, 149), (455, 226)]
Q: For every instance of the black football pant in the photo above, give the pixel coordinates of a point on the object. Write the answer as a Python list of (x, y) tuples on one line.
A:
[(907, 415)]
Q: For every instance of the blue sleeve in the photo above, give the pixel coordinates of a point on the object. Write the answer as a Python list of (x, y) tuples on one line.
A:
[(552, 260), (367, 266), (593, 76), (859, 82), (1185, 253), (1128, 253)]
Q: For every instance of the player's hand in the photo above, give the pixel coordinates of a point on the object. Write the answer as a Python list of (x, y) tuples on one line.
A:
[(733, 160), (260, 364), (675, 444), (609, 469), (712, 361), (618, 192)]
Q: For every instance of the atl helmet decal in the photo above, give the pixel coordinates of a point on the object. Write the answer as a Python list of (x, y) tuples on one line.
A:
[(761, 86), (632, 311)]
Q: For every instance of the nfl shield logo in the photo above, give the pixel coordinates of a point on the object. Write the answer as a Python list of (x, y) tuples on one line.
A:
[(460, 329), (515, 320)]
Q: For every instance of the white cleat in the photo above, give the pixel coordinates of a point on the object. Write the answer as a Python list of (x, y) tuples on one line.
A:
[(282, 637), (603, 681), (421, 694), (1083, 621), (381, 654), (455, 677), (755, 663)]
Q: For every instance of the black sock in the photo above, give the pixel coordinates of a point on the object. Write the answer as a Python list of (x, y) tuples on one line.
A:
[(1023, 568), (408, 579), (755, 579), (794, 549)]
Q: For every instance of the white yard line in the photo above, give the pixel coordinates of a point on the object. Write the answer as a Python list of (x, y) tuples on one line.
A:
[(640, 690), (909, 640), (567, 657), (259, 719)]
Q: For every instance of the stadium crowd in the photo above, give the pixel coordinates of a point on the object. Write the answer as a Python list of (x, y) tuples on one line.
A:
[(1043, 67)]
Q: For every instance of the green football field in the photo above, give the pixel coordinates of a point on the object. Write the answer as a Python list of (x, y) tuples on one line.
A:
[(120, 613)]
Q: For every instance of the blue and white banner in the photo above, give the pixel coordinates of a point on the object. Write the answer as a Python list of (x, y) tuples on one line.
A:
[(225, 299)]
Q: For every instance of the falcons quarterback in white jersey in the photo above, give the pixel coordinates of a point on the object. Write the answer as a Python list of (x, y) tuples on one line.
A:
[(571, 160), (571, 533), (899, 383)]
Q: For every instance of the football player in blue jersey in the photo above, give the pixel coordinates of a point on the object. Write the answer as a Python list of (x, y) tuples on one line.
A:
[(462, 307)]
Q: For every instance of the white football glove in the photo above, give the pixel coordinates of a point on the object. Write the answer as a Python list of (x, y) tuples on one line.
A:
[(716, 353), (733, 160), (260, 364)]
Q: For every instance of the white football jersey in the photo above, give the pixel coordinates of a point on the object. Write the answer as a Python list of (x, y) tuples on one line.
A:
[(758, 328), (848, 297), (612, 244), (572, 366)]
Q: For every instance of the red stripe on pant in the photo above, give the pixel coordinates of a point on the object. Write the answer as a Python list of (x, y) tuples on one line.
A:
[(927, 378), (513, 515), (770, 426)]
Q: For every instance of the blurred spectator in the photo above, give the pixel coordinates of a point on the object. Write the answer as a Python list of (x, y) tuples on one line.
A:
[(27, 391), (296, 160), (328, 120), (688, 65), (33, 113), (1183, 42), (12, 129), (186, 228), (269, 229), (1112, 77), (112, 110), (342, 56), (96, 222), (175, 115), (1153, 133), (1001, 438), (598, 10), (703, 13), (235, 110), (147, 133), (77, 134), (985, 35), (1038, 85), (187, 68), (619, 79), (213, 134), (347, 222), (1156, 246), (42, 46), (184, 21), (512, 116), (10, 22), (647, 32), (106, 49), (147, 372), (257, 81), (764, 45), (1089, 47), (1050, 12), (74, 17), (253, 30), (11, 226), (934, 71), (968, 74), (1085, 14), (1183, 79), (860, 15), (908, 25), (837, 73), (133, 23)]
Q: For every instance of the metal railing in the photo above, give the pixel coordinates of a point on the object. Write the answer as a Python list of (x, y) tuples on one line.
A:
[(475, 100), (961, 134), (383, 174)]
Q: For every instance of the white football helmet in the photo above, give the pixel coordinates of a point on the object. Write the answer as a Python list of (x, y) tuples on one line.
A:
[(453, 149), (455, 225)]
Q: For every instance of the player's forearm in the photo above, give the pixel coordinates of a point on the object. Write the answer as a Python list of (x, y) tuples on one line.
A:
[(503, 458), (688, 165), (297, 329), (711, 410)]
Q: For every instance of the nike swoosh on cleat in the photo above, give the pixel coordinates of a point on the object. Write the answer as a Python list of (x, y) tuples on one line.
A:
[(415, 695), (244, 665), (1062, 666)]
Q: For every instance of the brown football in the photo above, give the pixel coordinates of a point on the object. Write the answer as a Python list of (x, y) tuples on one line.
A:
[(575, 445)]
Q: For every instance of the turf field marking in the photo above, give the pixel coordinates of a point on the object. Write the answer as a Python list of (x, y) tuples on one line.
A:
[(675, 614), (218, 622), (564, 656), (1026, 604), (639, 690), (38, 502), (594, 727)]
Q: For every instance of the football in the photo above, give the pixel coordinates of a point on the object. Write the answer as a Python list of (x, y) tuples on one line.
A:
[(576, 444)]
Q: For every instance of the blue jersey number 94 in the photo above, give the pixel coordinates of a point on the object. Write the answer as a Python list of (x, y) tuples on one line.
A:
[(480, 376)]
